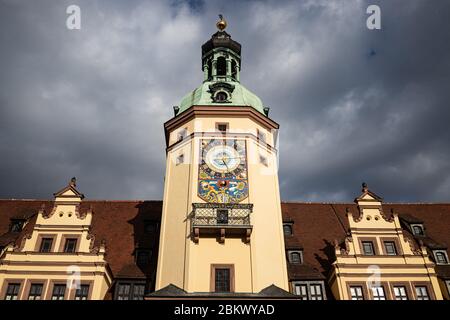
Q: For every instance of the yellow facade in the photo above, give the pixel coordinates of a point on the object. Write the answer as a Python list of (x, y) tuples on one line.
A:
[(27, 264), (407, 267), (185, 263)]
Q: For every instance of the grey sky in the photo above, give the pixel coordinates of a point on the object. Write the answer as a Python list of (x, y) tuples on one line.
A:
[(353, 104)]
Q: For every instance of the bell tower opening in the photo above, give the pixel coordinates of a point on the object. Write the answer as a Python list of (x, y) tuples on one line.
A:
[(221, 66)]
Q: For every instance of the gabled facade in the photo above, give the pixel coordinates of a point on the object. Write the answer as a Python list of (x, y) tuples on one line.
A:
[(57, 258), (378, 260)]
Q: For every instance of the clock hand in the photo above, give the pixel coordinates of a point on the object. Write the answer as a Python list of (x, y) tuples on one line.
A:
[(223, 160)]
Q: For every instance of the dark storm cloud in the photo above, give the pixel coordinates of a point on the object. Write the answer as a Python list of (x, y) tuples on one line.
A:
[(354, 105)]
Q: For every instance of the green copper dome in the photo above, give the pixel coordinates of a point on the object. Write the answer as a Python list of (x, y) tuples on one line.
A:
[(202, 96), (221, 66)]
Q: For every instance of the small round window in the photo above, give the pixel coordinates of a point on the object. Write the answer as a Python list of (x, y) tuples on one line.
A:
[(221, 96)]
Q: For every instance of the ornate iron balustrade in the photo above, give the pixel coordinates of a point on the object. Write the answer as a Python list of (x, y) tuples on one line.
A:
[(213, 217)]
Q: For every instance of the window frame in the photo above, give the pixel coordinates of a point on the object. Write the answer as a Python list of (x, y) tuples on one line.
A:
[(395, 286), (301, 285), (52, 243), (362, 285), (33, 284), (418, 225), (261, 136), (290, 254), (443, 253), (214, 267), (372, 246), (378, 296), (427, 291), (132, 284), (394, 247), (52, 291), (80, 296), (290, 226), (66, 244), (226, 124), (6, 293)]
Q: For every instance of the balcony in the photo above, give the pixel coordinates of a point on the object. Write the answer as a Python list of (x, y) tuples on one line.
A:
[(221, 219)]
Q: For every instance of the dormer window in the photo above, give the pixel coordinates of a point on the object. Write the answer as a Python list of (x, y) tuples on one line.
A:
[(417, 229), (287, 229), (295, 256), (16, 225), (440, 256), (221, 96)]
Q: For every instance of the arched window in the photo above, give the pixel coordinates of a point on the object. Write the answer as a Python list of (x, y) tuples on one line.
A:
[(441, 258), (221, 66), (234, 69), (295, 257)]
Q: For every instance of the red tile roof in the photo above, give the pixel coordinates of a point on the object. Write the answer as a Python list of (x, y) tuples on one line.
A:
[(315, 228)]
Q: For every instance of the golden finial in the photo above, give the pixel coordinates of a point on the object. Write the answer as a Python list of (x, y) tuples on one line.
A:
[(222, 23)]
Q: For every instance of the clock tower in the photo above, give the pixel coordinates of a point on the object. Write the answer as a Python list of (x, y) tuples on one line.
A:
[(221, 228)]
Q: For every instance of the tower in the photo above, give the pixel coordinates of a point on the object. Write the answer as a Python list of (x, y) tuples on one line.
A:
[(221, 228)]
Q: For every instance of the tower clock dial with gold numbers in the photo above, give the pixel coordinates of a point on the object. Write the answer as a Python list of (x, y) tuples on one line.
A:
[(223, 171)]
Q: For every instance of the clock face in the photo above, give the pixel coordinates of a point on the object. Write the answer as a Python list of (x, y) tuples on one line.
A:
[(223, 158), (223, 171)]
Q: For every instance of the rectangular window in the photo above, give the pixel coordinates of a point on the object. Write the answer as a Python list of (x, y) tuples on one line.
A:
[(390, 248), (123, 291), (35, 291), (46, 245), (138, 291), (182, 134), (130, 291), (12, 292), (70, 245), (302, 291), (59, 291), (180, 159), (316, 292), (356, 293), (82, 292), (378, 293), (400, 293), (422, 293), (261, 136), (222, 127), (222, 280), (368, 248)]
